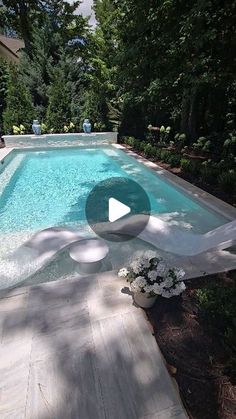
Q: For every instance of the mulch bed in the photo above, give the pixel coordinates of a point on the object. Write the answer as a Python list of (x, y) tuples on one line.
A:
[(196, 359)]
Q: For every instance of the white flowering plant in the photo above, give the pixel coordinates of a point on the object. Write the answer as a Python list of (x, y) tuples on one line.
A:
[(152, 276)]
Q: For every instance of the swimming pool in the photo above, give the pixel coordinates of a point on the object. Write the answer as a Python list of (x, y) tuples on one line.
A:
[(48, 188)]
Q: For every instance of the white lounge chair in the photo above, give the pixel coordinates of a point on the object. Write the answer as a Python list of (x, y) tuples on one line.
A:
[(37, 252), (44, 244), (172, 239)]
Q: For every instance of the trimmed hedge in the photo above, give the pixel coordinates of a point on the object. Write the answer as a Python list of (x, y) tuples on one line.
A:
[(152, 151)]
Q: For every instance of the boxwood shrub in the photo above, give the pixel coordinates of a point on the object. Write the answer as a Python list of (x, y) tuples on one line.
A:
[(209, 172), (148, 150), (227, 181), (190, 167), (165, 155), (174, 160), (142, 145)]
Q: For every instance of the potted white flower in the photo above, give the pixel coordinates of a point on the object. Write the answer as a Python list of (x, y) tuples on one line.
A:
[(150, 277)]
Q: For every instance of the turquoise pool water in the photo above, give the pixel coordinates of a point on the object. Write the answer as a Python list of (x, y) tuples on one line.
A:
[(40, 189)]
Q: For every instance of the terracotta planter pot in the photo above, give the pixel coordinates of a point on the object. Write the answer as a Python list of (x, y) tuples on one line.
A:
[(143, 300)]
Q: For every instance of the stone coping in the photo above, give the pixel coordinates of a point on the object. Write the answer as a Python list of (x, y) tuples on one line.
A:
[(83, 134), (52, 140), (4, 152), (216, 204)]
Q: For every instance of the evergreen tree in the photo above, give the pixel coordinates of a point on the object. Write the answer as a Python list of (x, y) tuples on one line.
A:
[(3, 87), (51, 30), (101, 75), (59, 106), (171, 61), (19, 17), (19, 106), (23, 15), (37, 69)]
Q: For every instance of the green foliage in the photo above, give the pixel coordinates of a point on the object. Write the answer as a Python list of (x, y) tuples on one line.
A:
[(129, 141), (99, 126), (158, 153), (164, 135), (44, 128), (18, 130), (69, 127), (230, 120), (149, 150), (218, 307), (19, 106), (180, 140), (174, 160), (227, 181), (184, 150), (3, 87), (207, 146), (101, 104), (22, 17), (142, 145), (229, 162), (58, 111), (202, 144), (165, 155), (175, 78), (115, 115), (209, 171), (190, 167), (136, 144), (229, 146), (185, 165)]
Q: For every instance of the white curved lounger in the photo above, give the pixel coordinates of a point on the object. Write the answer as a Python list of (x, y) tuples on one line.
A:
[(171, 239), (37, 251)]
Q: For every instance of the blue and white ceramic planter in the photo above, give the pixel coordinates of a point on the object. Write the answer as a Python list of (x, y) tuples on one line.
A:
[(36, 127), (87, 126)]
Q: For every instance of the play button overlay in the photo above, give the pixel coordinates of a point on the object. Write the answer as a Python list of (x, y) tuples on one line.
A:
[(117, 209)]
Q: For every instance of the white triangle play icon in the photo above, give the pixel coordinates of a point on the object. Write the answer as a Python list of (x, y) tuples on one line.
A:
[(117, 210)]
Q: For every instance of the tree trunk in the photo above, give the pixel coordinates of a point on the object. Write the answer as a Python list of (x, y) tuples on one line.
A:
[(193, 115), (184, 112), (189, 113), (25, 25)]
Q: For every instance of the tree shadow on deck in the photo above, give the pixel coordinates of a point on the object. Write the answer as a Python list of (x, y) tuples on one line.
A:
[(82, 364)]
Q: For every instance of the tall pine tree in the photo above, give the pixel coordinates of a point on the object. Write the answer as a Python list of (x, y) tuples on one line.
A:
[(19, 109), (59, 109)]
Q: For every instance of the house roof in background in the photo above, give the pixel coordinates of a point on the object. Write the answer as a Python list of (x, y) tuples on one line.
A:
[(14, 45)]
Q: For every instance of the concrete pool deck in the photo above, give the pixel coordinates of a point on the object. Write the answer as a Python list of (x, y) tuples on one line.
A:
[(81, 349)]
